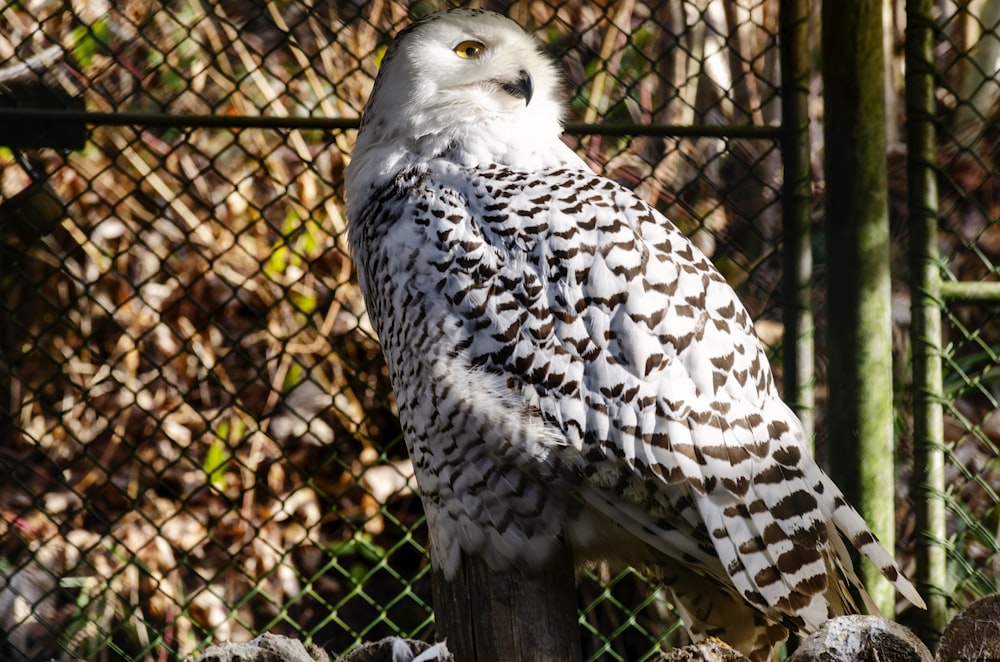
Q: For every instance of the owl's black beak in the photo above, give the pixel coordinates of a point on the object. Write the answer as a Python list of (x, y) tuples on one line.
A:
[(521, 88)]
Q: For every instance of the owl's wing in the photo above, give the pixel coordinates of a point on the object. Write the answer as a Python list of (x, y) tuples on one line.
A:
[(630, 341)]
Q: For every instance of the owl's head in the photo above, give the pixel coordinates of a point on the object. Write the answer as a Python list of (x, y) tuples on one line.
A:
[(466, 66), (466, 82)]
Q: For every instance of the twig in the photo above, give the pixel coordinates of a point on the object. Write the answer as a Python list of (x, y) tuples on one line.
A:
[(33, 67)]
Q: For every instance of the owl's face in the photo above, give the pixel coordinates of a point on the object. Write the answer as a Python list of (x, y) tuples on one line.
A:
[(449, 70), (465, 83)]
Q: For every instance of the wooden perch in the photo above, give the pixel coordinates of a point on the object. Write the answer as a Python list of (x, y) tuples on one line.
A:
[(488, 615)]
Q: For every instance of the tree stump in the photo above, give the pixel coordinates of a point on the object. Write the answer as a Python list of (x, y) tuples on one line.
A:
[(974, 634)]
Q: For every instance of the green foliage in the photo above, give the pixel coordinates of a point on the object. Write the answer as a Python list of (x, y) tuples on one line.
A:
[(216, 460), (101, 621), (89, 40)]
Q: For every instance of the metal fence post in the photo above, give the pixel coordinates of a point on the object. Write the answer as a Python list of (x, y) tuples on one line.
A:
[(798, 348), (925, 330)]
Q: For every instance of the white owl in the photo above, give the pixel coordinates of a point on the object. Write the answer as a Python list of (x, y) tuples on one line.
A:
[(569, 368)]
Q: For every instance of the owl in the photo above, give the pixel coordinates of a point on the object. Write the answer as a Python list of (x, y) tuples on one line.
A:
[(570, 371)]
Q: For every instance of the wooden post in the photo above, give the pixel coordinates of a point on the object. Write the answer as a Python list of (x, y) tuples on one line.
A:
[(488, 615), (859, 345)]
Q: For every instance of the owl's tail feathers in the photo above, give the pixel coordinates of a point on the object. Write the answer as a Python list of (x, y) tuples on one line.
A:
[(845, 592), (709, 610), (856, 530), (700, 586)]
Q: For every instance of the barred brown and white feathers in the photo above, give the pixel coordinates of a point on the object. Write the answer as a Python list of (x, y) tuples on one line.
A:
[(569, 368)]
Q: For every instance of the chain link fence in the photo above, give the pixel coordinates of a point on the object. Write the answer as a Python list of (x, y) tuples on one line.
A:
[(198, 427), (967, 56), (197, 433)]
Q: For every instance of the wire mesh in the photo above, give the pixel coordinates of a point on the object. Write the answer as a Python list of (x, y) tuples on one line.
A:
[(968, 59), (198, 431)]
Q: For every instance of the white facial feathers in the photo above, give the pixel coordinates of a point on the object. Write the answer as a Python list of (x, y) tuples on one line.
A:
[(468, 82), (426, 72)]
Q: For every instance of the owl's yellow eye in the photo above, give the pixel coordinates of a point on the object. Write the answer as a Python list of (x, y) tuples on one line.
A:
[(469, 50)]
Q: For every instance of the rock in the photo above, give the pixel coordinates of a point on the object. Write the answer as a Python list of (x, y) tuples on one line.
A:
[(710, 650), (265, 648), (395, 649), (861, 639)]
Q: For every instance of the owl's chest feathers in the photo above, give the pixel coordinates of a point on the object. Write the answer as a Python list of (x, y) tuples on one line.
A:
[(458, 237), (508, 266)]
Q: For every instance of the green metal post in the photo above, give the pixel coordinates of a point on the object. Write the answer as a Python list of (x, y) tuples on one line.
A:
[(798, 347), (925, 330), (858, 284)]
